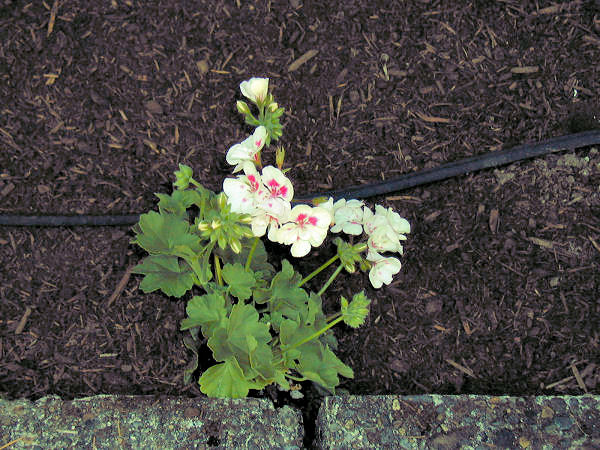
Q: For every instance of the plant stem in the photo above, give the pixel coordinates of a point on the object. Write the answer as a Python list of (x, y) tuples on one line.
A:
[(319, 270), (218, 269), (331, 278), (316, 334), (251, 253), (291, 377)]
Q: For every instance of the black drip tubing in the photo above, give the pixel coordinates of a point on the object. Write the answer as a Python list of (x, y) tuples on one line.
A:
[(464, 166)]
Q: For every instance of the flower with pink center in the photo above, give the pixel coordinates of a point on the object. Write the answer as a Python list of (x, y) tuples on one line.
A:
[(277, 184), (273, 202), (307, 227), (248, 150), (243, 192)]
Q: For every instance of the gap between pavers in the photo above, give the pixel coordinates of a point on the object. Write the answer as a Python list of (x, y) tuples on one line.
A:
[(422, 421)]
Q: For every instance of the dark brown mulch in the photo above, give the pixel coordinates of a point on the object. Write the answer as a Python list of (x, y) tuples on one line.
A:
[(101, 100)]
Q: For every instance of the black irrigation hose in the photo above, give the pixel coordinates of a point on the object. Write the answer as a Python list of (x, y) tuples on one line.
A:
[(493, 159)]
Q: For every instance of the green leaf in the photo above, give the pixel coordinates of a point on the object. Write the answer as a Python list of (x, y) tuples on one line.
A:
[(160, 233), (192, 345), (232, 339), (165, 273), (183, 176), (284, 296), (314, 311), (198, 261), (354, 314), (207, 311), (240, 282), (319, 364), (226, 380), (178, 202)]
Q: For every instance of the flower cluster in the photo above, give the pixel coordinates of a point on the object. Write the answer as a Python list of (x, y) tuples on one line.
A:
[(267, 198)]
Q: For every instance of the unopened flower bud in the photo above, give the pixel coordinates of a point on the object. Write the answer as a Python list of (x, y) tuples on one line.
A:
[(242, 107), (235, 245), (222, 200), (350, 268), (318, 200), (273, 107), (246, 218), (215, 224), (203, 226), (279, 157)]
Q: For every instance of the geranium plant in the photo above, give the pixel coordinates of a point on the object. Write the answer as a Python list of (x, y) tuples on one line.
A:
[(262, 325)]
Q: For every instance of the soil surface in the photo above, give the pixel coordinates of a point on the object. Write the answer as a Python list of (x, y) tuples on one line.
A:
[(499, 290)]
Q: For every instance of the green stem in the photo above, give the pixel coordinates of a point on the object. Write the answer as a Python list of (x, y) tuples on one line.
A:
[(291, 377), (331, 278), (333, 316), (319, 270), (316, 334), (218, 269), (251, 253)]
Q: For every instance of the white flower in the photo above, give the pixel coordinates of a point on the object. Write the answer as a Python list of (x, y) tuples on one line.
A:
[(399, 224), (277, 184), (307, 227), (243, 192), (272, 201), (325, 204), (382, 269), (348, 216), (385, 229), (247, 151), (255, 89)]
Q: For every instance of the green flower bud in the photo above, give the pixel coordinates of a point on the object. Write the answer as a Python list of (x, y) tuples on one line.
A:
[(246, 218), (279, 157), (222, 201), (235, 245), (273, 107), (242, 107)]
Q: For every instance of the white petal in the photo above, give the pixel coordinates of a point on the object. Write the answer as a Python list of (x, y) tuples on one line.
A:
[(255, 88), (300, 248)]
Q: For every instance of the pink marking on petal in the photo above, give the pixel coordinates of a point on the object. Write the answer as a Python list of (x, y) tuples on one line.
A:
[(312, 220), (301, 217), (283, 190), (253, 182), (257, 143), (273, 183)]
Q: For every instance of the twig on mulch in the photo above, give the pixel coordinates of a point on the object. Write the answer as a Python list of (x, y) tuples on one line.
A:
[(120, 286), (23, 321), (578, 378), (464, 369)]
